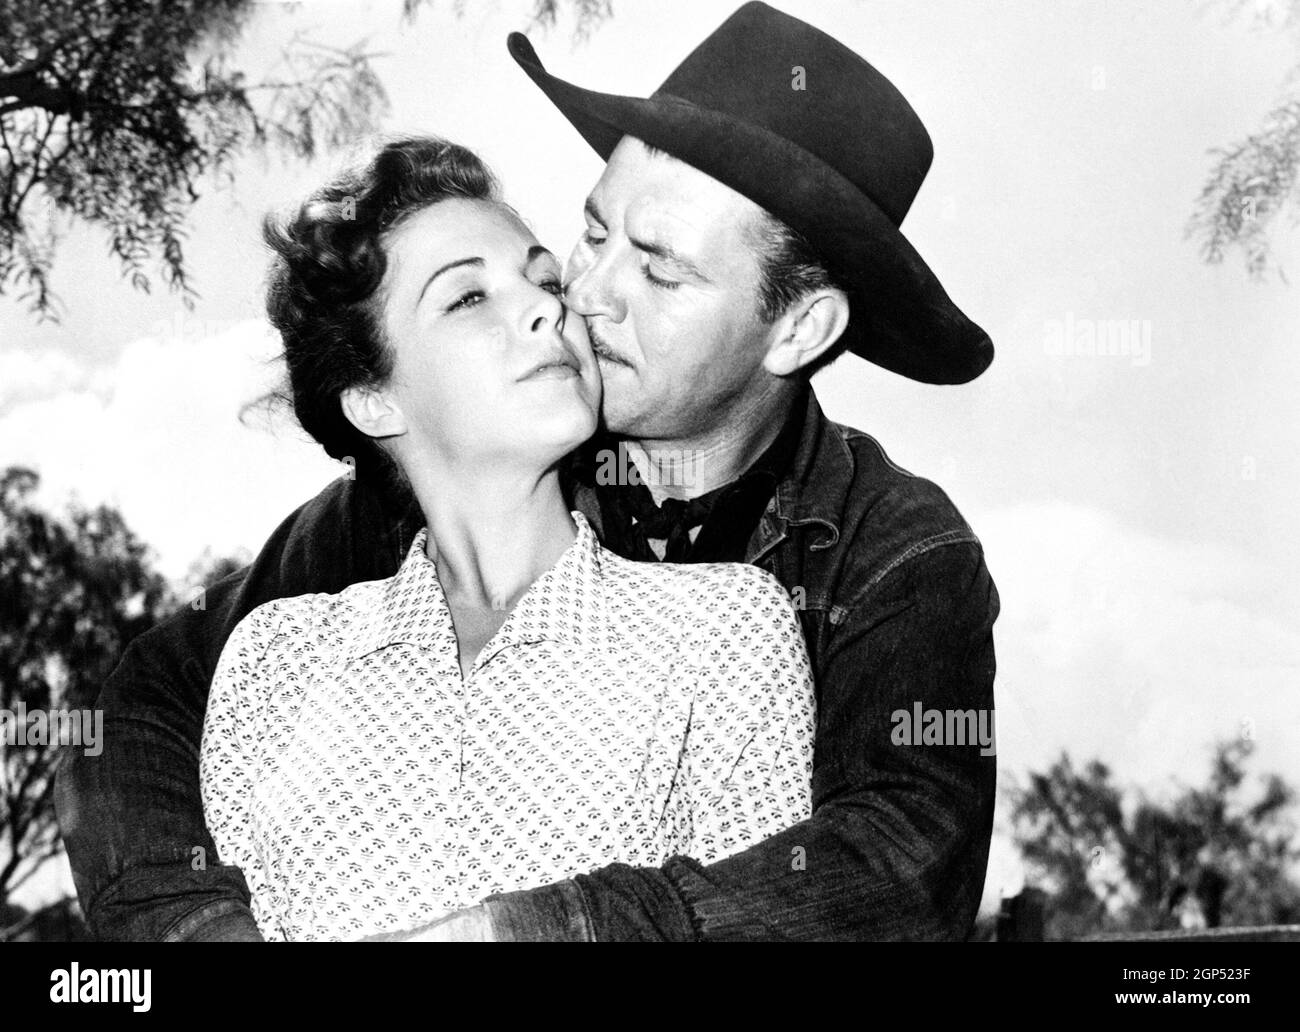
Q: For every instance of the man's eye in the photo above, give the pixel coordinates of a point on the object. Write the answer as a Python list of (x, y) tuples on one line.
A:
[(554, 286), (662, 284), (467, 300)]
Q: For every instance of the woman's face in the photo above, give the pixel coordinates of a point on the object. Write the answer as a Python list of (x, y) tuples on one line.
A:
[(488, 371)]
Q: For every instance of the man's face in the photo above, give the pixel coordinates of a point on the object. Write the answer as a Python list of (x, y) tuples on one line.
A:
[(668, 282)]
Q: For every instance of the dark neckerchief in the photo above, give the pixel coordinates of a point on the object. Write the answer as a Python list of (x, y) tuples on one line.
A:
[(726, 516)]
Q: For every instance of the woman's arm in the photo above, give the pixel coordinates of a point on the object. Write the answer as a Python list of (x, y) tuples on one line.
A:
[(228, 761)]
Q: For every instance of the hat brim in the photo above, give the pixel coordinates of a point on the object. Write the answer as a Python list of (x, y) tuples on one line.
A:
[(901, 317)]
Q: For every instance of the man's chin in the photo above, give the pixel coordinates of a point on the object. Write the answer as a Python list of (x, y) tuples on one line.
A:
[(615, 375), (619, 412)]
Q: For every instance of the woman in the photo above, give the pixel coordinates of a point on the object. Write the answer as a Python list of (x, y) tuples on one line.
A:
[(516, 704)]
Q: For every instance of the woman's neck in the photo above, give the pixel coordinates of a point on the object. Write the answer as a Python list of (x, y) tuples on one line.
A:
[(491, 536)]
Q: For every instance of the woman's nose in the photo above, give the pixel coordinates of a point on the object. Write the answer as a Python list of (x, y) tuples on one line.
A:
[(545, 311)]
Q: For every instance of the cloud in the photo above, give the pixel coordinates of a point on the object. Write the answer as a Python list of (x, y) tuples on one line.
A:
[(28, 375), (1135, 649), (159, 435), (1138, 648)]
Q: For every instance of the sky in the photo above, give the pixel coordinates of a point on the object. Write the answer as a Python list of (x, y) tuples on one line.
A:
[(1137, 510)]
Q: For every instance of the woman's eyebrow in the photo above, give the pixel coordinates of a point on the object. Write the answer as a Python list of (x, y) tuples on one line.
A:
[(534, 252), (477, 262)]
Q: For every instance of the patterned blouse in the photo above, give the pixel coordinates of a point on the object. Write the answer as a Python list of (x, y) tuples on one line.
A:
[(625, 712)]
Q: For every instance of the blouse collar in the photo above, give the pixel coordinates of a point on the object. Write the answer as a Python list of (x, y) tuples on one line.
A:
[(565, 604)]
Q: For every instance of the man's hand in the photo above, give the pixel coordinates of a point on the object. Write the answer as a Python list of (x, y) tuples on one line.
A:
[(470, 925)]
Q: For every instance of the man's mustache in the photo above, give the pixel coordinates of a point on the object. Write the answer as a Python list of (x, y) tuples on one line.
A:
[(601, 347)]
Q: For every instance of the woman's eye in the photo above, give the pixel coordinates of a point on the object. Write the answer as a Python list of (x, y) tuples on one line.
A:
[(553, 286), (593, 237), (467, 300)]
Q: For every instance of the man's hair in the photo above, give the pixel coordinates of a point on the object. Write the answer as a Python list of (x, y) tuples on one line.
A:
[(790, 269)]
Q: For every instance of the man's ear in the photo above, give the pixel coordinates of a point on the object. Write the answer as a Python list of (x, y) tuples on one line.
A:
[(804, 332), (372, 412)]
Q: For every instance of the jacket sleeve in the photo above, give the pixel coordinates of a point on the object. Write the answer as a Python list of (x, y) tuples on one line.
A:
[(132, 817), (897, 845)]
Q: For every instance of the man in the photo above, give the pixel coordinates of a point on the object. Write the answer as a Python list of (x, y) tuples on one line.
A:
[(744, 233)]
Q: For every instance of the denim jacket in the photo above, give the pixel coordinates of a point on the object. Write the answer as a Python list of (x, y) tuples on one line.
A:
[(897, 607)]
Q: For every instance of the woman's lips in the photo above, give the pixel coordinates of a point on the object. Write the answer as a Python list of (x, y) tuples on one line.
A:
[(552, 371)]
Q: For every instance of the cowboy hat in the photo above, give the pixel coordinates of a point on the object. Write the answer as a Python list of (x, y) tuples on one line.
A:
[(801, 125)]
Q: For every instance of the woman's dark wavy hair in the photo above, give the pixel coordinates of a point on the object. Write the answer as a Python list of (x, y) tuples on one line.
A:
[(323, 291)]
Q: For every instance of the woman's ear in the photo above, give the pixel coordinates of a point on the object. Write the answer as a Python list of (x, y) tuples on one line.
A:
[(372, 412), (810, 326)]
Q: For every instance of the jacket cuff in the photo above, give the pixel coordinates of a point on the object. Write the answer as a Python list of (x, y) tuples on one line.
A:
[(714, 916), (554, 913), (220, 921), (157, 902)]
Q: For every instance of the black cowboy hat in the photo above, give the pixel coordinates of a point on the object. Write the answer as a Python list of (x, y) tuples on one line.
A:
[(840, 160)]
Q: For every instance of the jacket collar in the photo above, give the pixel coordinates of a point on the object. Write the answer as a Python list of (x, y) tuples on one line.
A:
[(814, 489)]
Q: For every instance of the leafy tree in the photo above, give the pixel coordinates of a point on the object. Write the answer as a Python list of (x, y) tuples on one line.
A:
[(209, 568), (58, 922), (587, 14), (1211, 856), (114, 111), (1254, 180), (73, 592)]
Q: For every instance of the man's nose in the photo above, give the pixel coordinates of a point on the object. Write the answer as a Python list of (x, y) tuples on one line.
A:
[(589, 287)]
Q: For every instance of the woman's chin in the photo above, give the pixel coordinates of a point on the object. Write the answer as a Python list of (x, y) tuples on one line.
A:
[(572, 404), (559, 428)]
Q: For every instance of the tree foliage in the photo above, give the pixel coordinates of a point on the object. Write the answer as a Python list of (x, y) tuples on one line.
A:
[(587, 14), (112, 111), (1253, 181), (73, 592), (1214, 855)]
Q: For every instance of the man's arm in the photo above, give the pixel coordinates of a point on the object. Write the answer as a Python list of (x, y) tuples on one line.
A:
[(898, 842), (132, 817)]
